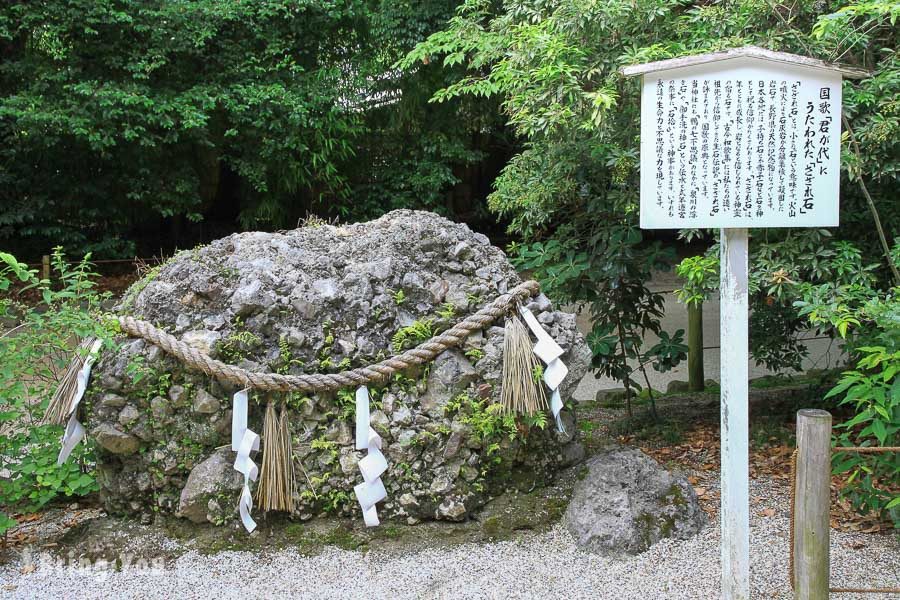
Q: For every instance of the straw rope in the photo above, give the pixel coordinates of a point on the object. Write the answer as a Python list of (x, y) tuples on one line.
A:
[(317, 382)]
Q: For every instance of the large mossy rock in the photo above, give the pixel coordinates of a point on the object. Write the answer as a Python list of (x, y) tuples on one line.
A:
[(323, 299), (627, 502)]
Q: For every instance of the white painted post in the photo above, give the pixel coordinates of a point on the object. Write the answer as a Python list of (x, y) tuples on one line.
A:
[(689, 117), (734, 359)]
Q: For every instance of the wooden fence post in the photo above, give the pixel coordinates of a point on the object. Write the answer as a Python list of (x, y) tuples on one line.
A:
[(812, 501), (696, 378)]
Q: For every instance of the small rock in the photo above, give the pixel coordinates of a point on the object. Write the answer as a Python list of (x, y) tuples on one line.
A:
[(450, 374), (205, 403), (128, 415), (677, 387), (387, 403), (438, 290), (176, 393), (213, 476), (401, 415), (611, 398), (627, 502), (461, 251), (442, 482), (349, 462), (379, 269), (458, 298), (115, 441), (160, 407), (454, 443), (325, 288), (112, 401), (408, 499), (451, 510), (339, 432), (379, 421), (203, 340)]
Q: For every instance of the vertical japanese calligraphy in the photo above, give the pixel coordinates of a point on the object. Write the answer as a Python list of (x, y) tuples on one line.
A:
[(739, 148)]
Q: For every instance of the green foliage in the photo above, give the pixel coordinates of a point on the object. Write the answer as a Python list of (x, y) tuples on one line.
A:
[(668, 352), (850, 306), (788, 271), (238, 345), (474, 354), (184, 110), (872, 390), (399, 296), (335, 501), (571, 193), (327, 446), (412, 335), (700, 275), (346, 401), (447, 311), (488, 421), (33, 355)]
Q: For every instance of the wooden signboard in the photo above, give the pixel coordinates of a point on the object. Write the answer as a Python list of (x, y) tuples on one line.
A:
[(733, 140)]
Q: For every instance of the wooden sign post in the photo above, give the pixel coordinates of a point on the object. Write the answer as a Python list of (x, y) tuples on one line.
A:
[(733, 140)]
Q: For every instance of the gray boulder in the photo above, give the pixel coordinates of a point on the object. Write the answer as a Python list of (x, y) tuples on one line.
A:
[(627, 502), (321, 299)]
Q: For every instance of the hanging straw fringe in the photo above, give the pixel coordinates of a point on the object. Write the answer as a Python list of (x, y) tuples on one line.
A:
[(521, 392), (276, 478), (58, 410)]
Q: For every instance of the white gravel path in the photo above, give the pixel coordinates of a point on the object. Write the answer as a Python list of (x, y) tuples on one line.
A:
[(542, 566)]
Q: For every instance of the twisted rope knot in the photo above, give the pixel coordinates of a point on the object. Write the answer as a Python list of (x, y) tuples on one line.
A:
[(319, 382)]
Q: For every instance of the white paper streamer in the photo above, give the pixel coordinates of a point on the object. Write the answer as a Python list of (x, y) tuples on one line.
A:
[(74, 432), (548, 351), (244, 441), (238, 419), (371, 490)]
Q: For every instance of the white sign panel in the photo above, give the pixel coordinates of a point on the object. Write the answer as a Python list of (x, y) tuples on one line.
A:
[(740, 143)]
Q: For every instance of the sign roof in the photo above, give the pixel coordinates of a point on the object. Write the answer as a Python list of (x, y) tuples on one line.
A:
[(754, 52)]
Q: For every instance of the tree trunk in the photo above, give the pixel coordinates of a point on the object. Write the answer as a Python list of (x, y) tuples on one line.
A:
[(696, 378)]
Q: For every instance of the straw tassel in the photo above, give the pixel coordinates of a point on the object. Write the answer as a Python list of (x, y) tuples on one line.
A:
[(57, 412), (521, 391), (276, 478)]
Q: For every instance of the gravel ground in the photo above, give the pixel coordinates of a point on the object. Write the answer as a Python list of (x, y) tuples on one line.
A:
[(544, 565)]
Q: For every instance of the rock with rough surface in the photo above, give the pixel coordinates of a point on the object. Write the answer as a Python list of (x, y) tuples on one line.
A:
[(627, 502), (321, 299), (210, 478)]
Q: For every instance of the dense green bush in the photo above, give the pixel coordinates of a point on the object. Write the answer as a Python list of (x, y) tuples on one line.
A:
[(572, 193), (868, 321), (118, 119), (36, 345)]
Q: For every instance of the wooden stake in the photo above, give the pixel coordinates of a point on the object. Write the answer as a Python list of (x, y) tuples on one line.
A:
[(734, 359), (696, 377), (812, 501)]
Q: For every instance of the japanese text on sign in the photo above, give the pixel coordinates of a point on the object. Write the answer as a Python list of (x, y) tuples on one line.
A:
[(748, 148)]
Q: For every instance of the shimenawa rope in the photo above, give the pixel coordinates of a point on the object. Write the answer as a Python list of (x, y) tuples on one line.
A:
[(316, 382)]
